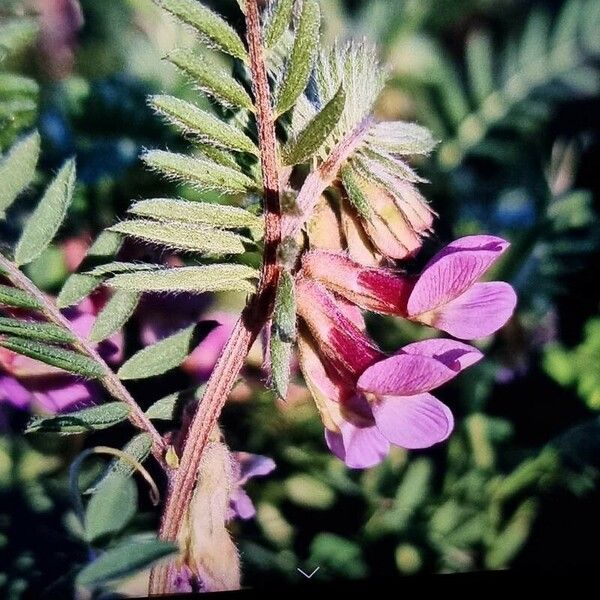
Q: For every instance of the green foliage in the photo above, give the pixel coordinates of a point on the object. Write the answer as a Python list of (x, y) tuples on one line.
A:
[(114, 315), (212, 79), (17, 170), (170, 407), (317, 131), (13, 297), (210, 25), (578, 367), (47, 218), (301, 61), (164, 355), (201, 125), (82, 421), (18, 94), (79, 285), (278, 17), (201, 173), (34, 330), (179, 236), (197, 213), (210, 278), (68, 360), (111, 507), (543, 60), (124, 560), (283, 334)]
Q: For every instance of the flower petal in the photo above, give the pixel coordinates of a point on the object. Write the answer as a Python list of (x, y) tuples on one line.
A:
[(347, 348), (413, 422), (358, 447), (411, 373), (453, 270), (253, 465), (480, 311), (377, 289), (240, 506), (358, 244), (455, 355)]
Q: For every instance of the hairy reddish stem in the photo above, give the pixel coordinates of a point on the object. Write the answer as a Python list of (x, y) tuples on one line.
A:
[(253, 319), (109, 380)]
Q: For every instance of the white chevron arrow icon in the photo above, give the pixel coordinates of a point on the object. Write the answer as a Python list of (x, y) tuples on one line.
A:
[(309, 576)]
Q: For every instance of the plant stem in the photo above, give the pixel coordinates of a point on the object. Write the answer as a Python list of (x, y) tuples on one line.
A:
[(109, 380), (253, 319)]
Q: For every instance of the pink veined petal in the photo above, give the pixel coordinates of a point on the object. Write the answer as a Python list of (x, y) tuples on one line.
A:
[(480, 311), (358, 447), (372, 288), (405, 375), (413, 422), (455, 355), (453, 270), (348, 349)]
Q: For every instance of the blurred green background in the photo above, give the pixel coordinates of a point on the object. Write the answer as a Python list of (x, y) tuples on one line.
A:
[(512, 90)]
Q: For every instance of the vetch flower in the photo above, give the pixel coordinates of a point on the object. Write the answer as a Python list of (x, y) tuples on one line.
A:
[(368, 400), (447, 295), (390, 404)]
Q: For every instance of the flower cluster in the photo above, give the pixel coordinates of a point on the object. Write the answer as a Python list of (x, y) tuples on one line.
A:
[(369, 400)]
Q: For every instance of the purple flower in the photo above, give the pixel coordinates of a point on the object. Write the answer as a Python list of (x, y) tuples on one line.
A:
[(245, 467), (447, 295), (369, 400)]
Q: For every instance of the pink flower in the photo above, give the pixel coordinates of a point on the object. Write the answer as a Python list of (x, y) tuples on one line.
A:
[(447, 295), (368, 400), (29, 384)]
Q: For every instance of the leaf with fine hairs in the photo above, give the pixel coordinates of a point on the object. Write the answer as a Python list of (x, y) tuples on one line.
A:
[(399, 137), (114, 315), (196, 280), (278, 18), (202, 125), (82, 421), (111, 507), (197, 213), (17, 170), (208, 24), (67, 360), (212, 79), (283, 334), (200, 173), (181, 236), (316, 132), (170, 407), (166, 354), (355, 194), (34, 330), (15, 298), (46, 219), (302, 58)]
